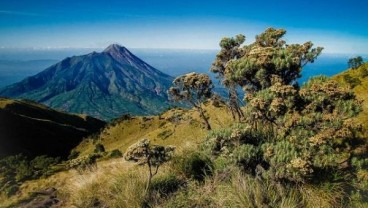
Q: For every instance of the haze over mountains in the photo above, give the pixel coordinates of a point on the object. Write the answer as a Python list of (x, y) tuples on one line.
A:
[(104, 85), (17, 64)]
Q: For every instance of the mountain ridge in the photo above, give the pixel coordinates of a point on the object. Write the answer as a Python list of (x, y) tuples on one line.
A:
[(34, 129)]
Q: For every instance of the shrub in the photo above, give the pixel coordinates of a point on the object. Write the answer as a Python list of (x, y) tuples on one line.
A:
[(163, 123), (352, 81), (73, 154), (116, 154), (99, 148), (292, 134), (23, 172), (176, 117), (85, 163), (16, 169), (364, 71), (151, 155), (166, 185), (163, 187), (122, 118), (41, 165), (11, 190), (193, 165), (165, 134), (223, 141), (248, 156)]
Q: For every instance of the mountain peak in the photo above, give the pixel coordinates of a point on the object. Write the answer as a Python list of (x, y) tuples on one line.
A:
[(115, 80), (120, 53), (114, 48)]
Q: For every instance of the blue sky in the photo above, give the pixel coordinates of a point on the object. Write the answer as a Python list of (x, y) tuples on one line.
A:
[(341, 26)]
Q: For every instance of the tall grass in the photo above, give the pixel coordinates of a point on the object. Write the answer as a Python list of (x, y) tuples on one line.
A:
[(108, 189), (245, 191)]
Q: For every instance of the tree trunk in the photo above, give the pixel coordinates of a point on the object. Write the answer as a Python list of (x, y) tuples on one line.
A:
[(234, 104), (149, 177), (232, 112), (208, 126), (148, 184)]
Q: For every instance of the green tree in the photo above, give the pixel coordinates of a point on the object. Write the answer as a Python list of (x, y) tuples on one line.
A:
[(194, 89), (230, 50), (267, 57), (151, 155), (355, 62)]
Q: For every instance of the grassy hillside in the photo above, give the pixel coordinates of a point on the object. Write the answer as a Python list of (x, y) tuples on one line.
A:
[(179, 127), (357, 80), (33, 129)]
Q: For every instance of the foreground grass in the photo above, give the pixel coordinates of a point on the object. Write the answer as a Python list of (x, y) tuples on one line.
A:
[(71, 183), (244, 191), (117, 183)]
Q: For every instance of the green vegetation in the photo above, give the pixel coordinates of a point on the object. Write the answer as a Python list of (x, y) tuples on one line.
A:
[(253, 66), (116, 154), (355, 62), (352, 81), (364, 71), (165, 134), (303, 139), (73, 154), (292, 138), (82, 164), (162, 188), (14, 170), (99, 148), (360, 92), (195, 89), (151, 155), (270, 56), (293, 146), (230, 50), (193, 165)]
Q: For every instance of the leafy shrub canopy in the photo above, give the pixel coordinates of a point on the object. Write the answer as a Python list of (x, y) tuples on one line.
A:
[(294, 134)]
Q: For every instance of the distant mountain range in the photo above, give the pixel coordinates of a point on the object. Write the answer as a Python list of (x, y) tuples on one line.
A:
[(33, 129), (104, 85)]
